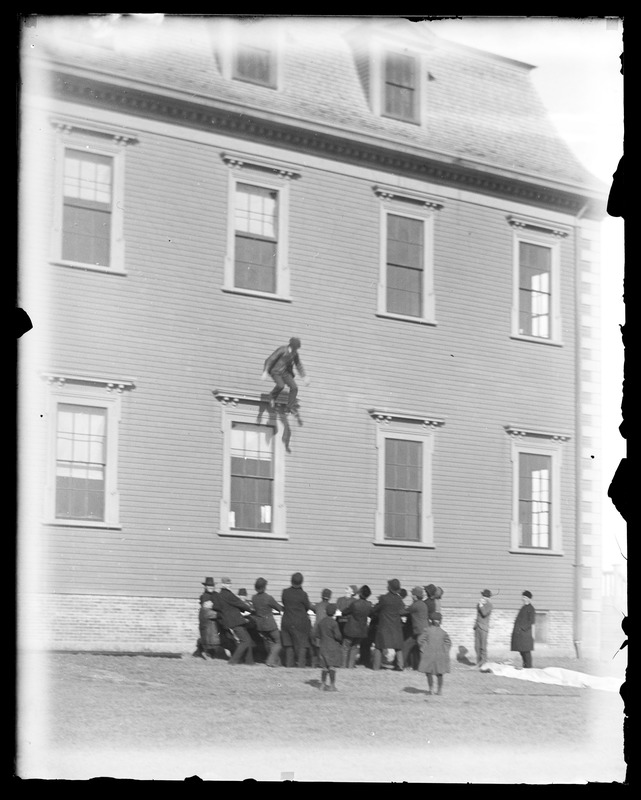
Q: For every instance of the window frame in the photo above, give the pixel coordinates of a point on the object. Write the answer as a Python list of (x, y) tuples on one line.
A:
[(242, 173), (416, 60), (412, 206), (98, 393), (411, 428), (252, 413), (545, 444), (233, 34), (540, 234), (105, 142), (377, 91)]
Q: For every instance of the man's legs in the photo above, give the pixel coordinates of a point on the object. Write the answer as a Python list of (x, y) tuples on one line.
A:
[(273, 640), (278, 388), (244, 647), (526, 655), (293, 390)]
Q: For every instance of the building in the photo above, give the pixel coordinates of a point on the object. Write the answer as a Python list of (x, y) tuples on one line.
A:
[(196, 192)]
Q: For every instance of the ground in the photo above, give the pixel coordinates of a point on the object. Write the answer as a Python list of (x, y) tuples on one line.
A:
[(85, 715)]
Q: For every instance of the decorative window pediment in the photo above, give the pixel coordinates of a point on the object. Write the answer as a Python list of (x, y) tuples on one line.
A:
[(518, 431), (108, 384), (534, 224), (408, 196), (385, 417), (246, 160), (71, 126)]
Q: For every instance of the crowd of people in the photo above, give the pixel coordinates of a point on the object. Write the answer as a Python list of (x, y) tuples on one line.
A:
[(400, 630)]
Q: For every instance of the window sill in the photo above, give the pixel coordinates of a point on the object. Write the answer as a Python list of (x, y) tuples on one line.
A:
[(254, 535), (264, 295), (79, 523), (406, 120), (403, 318), (419, 545), (536, 340), (89, 267), (525, 551)]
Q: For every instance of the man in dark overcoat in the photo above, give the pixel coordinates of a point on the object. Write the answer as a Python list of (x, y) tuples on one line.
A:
[(264, 606), (233, 619), (417, 617), (356, 626), (388, 614), (522, 636), (296, 627)]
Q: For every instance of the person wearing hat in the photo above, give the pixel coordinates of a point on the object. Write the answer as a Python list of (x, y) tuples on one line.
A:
[(319, 613), (430, 602), (234, 615), (279, 366), (209, 593), (435, 645), (417, 619), (482, 626), (522, 636), (342, 604), (388, 614), (206, 619), (264, 606), (355, 641), (296, 628)]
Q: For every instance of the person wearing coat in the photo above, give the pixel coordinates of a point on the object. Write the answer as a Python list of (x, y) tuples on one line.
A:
[(482, 626), (388, 614), (356, 626), (279, 366), (233, 609), (295, 629), (264, 607), (417, 620), (522, 636), (435, 645), (329, 645)]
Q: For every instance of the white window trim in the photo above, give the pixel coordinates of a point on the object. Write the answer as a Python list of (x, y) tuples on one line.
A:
[(414, 205), (538, 232), (101, 140), (250, 409), (231, 34), (415, 428), (524, 440), (101, 393), (377, 82), (267, 175)]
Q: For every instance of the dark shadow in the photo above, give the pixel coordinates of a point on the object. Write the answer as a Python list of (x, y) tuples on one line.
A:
[(414, 690), (316, 684), (462, 658)]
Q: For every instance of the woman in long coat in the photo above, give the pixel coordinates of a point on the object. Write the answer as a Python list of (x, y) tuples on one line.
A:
[(522, 637), (389, 625), (295, 628), (434, 644)]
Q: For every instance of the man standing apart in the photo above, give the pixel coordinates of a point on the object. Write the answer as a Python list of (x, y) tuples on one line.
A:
[(280, 367), (522, 638), (482, 626)]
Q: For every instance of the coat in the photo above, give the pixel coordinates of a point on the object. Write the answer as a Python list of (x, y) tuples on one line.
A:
[(417, 614), (483, 612), (434, 644), (356, 619), (329, 642), (231, 608), (282, 361), (264, 606), (296, 604), (208, 628), (522, 639), (389, 625)]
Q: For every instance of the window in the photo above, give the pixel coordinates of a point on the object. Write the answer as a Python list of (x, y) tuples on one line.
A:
[(82, 485), (400, 85), (255, 64), (88, 216), (252, 501), (406, 283), (257, 243), (536, 307), (405, 445), (536, 515)]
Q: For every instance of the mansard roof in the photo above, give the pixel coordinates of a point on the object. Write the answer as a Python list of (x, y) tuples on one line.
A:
[(483, 111)]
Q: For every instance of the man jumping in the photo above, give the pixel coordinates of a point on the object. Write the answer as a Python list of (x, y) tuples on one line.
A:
[(280, 367)]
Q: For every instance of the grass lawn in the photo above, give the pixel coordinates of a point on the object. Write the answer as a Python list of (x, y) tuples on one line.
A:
[(85, 715)]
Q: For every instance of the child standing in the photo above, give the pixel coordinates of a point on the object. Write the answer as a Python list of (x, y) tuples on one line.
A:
[(209, 641), (319, 613), (329, 646), (434, 644)]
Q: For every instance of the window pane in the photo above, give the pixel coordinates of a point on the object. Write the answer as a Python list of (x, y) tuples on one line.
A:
[(86, 234), (254, 64), (88, 176), (405, 252), (535, 264), (400, 87), (251, 476), (256, 210), (535, 499), (403, 484)]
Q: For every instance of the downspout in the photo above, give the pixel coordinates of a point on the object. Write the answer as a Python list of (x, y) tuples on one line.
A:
[(578, 553)]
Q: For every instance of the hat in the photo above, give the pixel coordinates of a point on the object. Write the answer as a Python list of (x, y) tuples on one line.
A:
[(354, 588), (294, 343), (208, 582), (326, 594), (527, 594), (242, 592), (260, 584), (365, 592), (486, 593), (417, 591), (436, 616), (226, 581), (403, 593), (394, 585), (430, 589), (330, 610)]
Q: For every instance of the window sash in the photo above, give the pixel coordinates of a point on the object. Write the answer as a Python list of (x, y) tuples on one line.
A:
[(535, 500), (251, 474), (405, 265), (403, 489), (400, 87), (255, 239), (535, 294)]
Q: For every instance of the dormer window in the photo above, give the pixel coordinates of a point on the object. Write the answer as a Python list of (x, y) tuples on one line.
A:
[(255, 65), (400, 81)]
